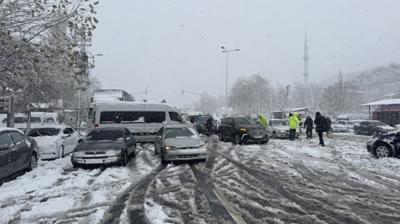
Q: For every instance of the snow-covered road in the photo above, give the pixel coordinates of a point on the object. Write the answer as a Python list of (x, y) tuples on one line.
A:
[(281, 182), (55, 192)]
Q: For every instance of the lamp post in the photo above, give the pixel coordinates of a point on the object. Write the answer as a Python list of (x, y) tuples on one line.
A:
[(226, 52)]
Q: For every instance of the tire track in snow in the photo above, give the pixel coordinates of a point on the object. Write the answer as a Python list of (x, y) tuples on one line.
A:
[(135, 208)]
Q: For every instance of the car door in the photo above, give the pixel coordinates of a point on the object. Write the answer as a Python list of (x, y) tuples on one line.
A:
[(67, 140), (21, 153), (73, 139), (5, 155)]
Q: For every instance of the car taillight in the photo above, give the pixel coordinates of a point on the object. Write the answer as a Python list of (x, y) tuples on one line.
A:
[(96, 125)]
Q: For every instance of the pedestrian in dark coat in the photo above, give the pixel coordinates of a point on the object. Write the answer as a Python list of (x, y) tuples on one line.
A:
[(209, 125), (321, 126), (309, 125)]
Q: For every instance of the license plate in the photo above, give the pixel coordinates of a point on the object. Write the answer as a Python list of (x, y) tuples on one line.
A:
[(258, 136), (93, 161)]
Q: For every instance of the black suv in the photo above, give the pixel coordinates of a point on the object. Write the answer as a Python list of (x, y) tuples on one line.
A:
[(242, 130)]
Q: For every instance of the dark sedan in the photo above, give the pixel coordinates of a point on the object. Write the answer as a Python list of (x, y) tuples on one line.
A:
[(17, 152), (105, 146), (372, 127)]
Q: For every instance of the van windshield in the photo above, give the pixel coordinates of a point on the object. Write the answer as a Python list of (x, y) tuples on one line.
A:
[(128, 117)]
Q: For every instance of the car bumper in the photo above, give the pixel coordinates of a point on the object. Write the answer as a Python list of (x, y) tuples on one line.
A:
[(254, 139), (187, 154), (95, 160)]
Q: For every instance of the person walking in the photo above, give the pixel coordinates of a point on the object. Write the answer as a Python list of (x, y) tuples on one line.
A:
[(293, 125), (309, 125), (328, 127), (321, 126), (262, 120)]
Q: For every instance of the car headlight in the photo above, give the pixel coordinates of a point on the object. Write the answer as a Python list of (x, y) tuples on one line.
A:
[(243, 130), (78, 154), (113, 152), (169, 147)]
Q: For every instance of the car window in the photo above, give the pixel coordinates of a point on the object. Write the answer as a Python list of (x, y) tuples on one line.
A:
[(49, 120), (105, 135), (37, 132), (174, 116), (178, 133), (36, 120), (5, 139), (17, 137), (127, 117), (244, 121)]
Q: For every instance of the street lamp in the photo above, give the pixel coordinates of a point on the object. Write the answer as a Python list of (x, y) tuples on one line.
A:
[(227, 51)]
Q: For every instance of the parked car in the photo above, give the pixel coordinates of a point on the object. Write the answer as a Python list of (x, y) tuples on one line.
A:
[(54, 141), (372, 127), (179, 142), (279, 128), (17, 152), (105, 146), (340, 127), (242, 130), (383, 146), (202, 125)]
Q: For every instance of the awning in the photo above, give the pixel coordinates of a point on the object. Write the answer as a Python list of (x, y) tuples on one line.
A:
[(383, 102)]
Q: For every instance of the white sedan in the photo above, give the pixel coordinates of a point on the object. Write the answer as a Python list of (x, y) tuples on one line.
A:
[(54, 141)]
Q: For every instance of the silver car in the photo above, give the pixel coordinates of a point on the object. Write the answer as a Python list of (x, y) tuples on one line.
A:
[(179, 143)]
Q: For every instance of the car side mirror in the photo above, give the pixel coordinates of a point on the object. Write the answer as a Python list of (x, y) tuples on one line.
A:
[(128, 139), (4, 147)]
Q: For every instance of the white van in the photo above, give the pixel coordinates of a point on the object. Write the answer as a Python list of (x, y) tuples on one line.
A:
[(143, 119)]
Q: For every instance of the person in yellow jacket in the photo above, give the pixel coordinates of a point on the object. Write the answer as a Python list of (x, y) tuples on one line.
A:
[(262, 120), (294, 122)]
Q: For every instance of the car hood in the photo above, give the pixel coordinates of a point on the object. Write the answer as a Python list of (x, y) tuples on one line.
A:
[(281, 128), (183, 142), (99, 146)]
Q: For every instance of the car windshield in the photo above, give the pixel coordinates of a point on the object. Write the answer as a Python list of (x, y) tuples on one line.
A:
[(38, 132), (178, 133), (278, 122), (202, 119), (245, 121), (105, 135)]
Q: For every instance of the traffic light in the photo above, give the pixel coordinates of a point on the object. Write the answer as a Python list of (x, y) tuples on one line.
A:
[(6, 104)]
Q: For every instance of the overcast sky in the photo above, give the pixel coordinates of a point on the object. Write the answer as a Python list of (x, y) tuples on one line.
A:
[(170, 45)]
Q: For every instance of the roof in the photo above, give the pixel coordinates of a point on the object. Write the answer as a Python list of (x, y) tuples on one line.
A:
[(383, 102), (51, 126), (120, 105), (10, 129)]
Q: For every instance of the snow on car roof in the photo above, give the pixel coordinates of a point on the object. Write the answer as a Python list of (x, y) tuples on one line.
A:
[(128, 104)]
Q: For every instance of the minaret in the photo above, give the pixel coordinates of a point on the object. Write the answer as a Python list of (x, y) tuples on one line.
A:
[(306, 58)]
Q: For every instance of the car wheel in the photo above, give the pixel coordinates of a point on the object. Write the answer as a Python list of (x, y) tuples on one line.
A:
[(274, 135), (33, 162), (237, 139), (383, 151), (163, 160), (124, 158), (61, 152), (220, 137)]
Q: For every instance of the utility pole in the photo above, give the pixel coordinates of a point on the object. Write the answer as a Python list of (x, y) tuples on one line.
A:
[(226, 51)]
